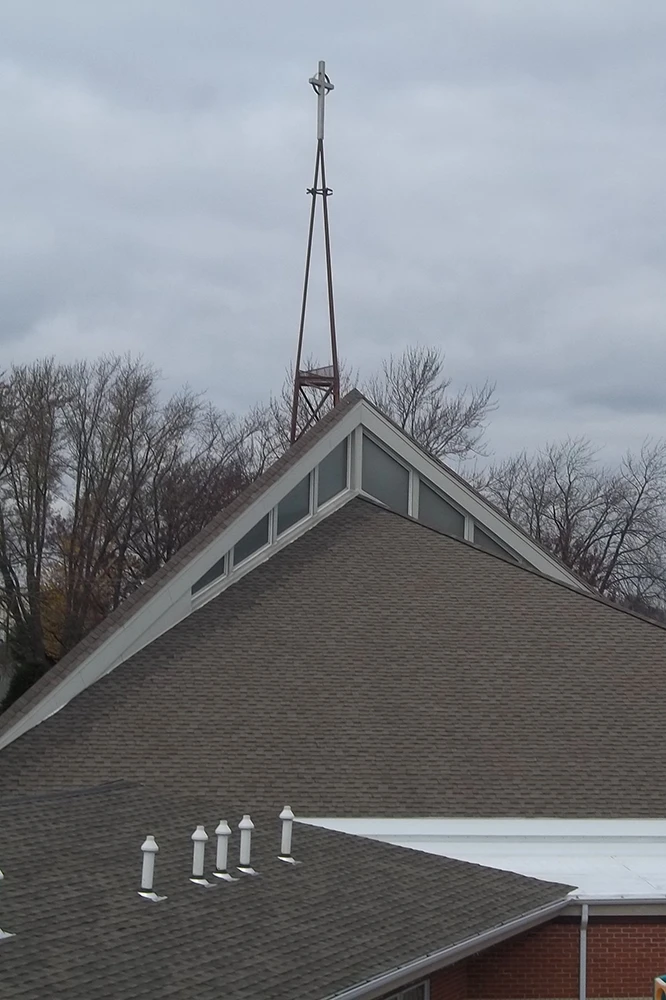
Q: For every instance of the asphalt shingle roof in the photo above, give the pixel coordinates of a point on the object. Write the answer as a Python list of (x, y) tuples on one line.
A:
[(352, 910), (377, 668)]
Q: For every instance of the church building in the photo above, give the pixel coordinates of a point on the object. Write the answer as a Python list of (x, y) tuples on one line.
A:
[(465, 732)]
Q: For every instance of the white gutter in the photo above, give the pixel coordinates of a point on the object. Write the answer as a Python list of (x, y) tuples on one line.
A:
[(423, 966), (659, 899), (582, 958)]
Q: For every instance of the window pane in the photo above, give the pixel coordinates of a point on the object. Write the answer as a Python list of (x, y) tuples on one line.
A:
[(437, 513), (217, 569), (255, 538), (295, 506), (384, 478), (484, 541), (332, 474)]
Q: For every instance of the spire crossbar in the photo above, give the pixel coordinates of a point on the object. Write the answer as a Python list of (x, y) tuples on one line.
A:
[(316, 388)]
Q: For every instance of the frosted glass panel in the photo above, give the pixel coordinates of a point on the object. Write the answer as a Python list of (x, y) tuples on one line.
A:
[(295, 506), (437, 513), (484, 541), (332, 474), (253, 540), (216, 570), (384, 478)]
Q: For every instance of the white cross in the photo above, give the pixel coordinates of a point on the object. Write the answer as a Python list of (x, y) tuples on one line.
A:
[(321, 86)]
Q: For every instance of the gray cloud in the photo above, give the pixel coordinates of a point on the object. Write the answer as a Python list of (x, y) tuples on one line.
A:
[(498, 173)]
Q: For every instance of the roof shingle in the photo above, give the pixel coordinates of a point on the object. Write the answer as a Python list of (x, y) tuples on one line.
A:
[(376, 668), (352, 910)]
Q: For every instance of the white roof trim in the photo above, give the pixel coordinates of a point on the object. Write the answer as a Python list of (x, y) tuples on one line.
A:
[(493, 827)]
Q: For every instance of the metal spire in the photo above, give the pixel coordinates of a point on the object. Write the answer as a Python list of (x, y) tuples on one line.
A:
[(313, 388)]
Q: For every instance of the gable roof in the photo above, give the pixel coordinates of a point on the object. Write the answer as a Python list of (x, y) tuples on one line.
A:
[(353, 910), (168, 596), (377, 668)]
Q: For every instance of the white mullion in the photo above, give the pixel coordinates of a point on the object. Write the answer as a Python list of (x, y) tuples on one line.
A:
[(355, 461), (414, 486), (314, 489)]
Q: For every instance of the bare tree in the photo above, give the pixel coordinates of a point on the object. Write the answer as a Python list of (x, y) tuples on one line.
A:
[(609, 525), (32, 461), (100, 482), (413, 390), (197, 465)]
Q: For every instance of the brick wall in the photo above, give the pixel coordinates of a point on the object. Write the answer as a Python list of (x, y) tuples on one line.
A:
[(623, 957), (624, 954), (450, 984), (540, 963)]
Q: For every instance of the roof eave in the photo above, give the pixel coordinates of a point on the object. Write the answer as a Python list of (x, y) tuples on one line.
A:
[(428, 964)]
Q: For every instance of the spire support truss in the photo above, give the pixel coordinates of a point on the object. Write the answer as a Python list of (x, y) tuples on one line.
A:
[(316, 388)]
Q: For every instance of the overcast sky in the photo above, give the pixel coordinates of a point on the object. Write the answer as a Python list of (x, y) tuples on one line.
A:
[(499, 174)]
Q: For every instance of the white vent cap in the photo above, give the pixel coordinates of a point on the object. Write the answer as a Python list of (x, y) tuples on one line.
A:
[(287, 818), (246, 826), (149, 849), (199, 838), (223, 832)]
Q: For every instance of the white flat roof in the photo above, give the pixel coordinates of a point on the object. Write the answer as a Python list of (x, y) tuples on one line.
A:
[(614, 859)]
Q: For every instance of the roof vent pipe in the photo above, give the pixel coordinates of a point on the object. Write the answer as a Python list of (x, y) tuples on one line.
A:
[(287, 818), (149, 849), (223, 832), (4, 934), (246, 826), (199, 838)]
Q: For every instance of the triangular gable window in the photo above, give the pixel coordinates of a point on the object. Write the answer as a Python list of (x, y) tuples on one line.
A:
[(485, 541), (438, 513), (384, 478)]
